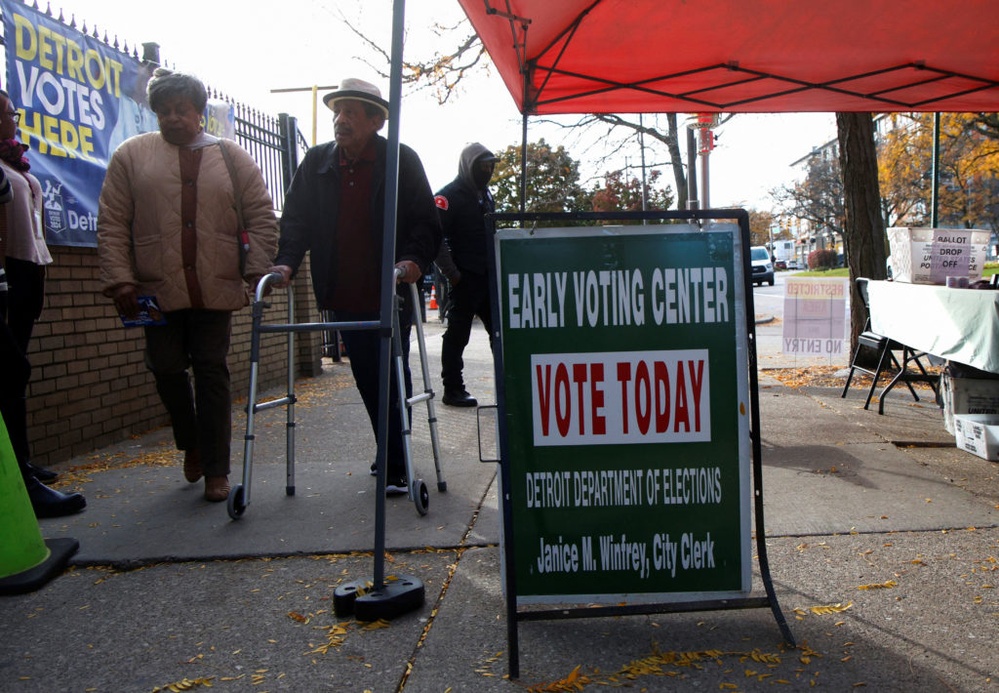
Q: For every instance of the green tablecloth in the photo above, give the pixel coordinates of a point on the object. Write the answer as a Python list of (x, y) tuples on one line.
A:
[(957, 324)]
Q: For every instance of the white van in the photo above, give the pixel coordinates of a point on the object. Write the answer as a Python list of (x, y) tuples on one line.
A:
[(763, 269)]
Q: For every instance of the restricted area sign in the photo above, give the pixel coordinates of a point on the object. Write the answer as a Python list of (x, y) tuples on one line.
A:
[(815, 316), (627, 413)]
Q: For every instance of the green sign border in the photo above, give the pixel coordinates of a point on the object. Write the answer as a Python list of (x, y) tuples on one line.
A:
[(548, 529)]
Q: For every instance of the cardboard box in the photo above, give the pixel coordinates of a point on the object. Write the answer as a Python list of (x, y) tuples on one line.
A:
[(929, 256), (978, 434), (968, 396)]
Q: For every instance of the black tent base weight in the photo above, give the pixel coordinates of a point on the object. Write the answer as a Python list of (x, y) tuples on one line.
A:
[(398, 595)]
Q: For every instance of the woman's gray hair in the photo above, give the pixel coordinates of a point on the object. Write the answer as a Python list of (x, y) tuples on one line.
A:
[(166, 84)]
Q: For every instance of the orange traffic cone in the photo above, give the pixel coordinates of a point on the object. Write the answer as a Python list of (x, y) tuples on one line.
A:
[(26, 560), (433, 298)]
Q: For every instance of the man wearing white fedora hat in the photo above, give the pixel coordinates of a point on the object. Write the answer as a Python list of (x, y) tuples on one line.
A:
[(334, 210)]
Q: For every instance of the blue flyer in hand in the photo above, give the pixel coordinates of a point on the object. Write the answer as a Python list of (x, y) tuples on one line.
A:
[(149, 314)]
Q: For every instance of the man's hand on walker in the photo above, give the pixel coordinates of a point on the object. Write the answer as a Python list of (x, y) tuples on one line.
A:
[(284, 271), (408, 271)]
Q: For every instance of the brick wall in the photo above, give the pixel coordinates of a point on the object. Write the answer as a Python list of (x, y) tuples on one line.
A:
[(89, 386)]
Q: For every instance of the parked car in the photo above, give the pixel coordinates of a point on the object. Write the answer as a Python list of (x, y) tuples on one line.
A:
[(780, 265), (793, 264), (763, 269)]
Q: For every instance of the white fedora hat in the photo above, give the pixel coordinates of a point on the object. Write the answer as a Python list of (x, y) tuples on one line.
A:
[(353, 88)]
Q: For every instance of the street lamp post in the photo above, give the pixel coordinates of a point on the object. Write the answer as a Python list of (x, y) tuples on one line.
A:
[(315, 102)]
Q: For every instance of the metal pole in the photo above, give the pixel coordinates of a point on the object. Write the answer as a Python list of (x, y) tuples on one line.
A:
[(704, 134), (388, 283), (641, 147), (315, 101), (692, 201), (523, 167), (315, 112), (935, 175)]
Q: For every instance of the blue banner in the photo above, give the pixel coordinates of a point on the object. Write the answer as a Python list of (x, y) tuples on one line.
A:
[(79, 99)]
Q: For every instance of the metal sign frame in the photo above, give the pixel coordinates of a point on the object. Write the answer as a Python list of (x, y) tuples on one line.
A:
[(528, 606)]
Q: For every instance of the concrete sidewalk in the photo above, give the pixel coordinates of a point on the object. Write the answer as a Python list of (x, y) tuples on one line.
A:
[(883, 542)]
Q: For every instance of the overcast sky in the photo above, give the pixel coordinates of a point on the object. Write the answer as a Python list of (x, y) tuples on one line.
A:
[(249, 49)]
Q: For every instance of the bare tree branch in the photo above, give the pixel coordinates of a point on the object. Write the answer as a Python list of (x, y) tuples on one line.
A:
[(442, 72)]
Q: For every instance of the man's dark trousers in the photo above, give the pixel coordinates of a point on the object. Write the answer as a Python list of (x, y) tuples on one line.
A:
[(363, 350), (469, 298)]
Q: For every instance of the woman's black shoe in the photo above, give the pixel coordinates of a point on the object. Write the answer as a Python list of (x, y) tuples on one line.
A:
[(48, 502), (46, 476)]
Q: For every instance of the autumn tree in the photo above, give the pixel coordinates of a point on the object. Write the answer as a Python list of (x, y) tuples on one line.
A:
[(904, 162), (968, 169), (969, 174), (620, 194), (552, 180), (985, 124), (760, 226)]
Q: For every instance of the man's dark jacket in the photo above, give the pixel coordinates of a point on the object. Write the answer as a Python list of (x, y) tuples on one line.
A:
[(311, 205)]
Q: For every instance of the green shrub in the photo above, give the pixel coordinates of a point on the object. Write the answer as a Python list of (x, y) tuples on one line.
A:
[(823, 259)]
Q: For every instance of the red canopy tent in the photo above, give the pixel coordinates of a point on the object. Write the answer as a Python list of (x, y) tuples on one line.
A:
[(705, 56), (742, 56)]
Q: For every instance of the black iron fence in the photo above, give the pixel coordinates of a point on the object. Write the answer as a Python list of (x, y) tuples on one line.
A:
[(276, 144)]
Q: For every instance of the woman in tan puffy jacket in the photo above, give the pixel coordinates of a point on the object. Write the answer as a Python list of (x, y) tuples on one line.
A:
[(168, 228)]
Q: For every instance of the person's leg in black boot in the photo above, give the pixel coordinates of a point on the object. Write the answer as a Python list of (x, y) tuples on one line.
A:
[(45, 501)]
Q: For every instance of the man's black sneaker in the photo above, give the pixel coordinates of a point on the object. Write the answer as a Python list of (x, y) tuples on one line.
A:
[(396, 486), (459, 398)]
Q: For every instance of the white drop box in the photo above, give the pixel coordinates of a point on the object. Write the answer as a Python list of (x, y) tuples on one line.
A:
[(929, 256), (978, 434), (968, 396)]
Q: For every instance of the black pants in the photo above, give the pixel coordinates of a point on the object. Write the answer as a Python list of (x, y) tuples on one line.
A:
[(469, 298), (25, 298), (13, 385), (202, 418), (363, 350), (20, 308)]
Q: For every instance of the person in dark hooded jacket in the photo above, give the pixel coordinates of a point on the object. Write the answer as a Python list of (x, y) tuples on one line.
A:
[(463, 259)]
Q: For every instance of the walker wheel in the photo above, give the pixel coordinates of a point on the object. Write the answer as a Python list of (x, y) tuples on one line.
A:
[(236, 504), (422, 499)]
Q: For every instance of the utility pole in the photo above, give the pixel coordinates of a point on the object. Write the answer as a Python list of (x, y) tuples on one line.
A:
[(315, 102), (704, 124), (645, 185)]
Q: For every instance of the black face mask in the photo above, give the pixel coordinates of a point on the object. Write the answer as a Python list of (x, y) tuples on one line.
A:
[(482, 172)]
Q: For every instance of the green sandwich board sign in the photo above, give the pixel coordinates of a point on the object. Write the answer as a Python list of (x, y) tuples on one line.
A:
[(624, 353)]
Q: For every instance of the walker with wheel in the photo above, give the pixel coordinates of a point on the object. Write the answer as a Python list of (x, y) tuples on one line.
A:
[(239, 495)]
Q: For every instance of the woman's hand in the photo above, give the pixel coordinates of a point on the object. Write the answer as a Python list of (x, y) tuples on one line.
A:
[(126, 301)]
